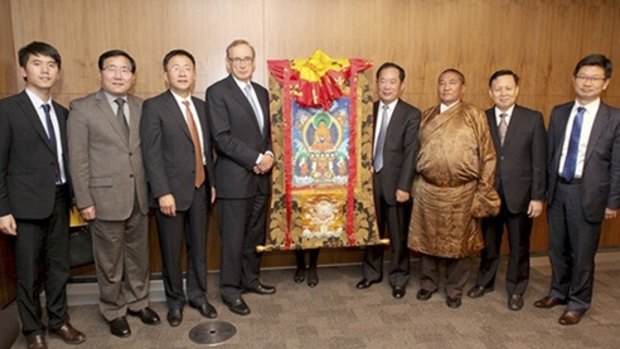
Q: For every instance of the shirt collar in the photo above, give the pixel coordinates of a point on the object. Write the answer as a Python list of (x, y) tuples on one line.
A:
[(507, 112), (390, 105), (36, 101)]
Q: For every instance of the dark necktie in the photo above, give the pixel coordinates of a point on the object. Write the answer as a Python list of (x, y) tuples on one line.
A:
[(120, 117), (200, 170), (51, 137), (248, 94), (381, 140), (502, 127), (570, 163)]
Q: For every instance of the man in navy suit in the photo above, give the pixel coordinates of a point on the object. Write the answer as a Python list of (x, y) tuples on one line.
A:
[(395, 150), (238, 115), (176, 148), (584, 186), (35, 195), (520, 143)]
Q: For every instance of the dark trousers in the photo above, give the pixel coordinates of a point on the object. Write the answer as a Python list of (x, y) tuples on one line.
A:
[(573, 242), (192, 224), (519, 228), (457, 274), (48, 237), (242, 224), (394, 218)]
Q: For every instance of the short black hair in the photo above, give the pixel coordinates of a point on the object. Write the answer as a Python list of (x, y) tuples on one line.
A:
[(38, 48), (115, 53), (595, 59), (504, 72), (456, 71), (177, 52), (401, 71)]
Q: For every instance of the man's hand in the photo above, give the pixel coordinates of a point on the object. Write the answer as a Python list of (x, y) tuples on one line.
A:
[(7, 225), (88, 213), (402, 196), (535, 208), (266, 164), (609, 213), (167, 206)]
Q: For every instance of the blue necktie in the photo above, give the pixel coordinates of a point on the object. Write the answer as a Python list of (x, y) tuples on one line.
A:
[(51, 136), (381, 139), (570, 163)]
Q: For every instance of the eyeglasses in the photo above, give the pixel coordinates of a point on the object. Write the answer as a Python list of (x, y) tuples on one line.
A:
[(239, 60), (115, 69), (584, 78)]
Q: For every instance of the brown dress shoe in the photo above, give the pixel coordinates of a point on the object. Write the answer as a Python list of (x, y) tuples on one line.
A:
[(37, 342), (548, 302), (570, 317), (68, 334)]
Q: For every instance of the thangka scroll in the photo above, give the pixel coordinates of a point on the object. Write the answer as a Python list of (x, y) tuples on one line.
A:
[(322, 129)]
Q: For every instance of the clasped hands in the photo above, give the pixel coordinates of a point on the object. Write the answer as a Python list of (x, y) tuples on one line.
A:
[(264, 165)]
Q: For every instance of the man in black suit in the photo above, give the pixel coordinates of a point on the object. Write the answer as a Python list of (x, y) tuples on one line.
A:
[(584, 186), (238, 115), (176, 148), (520, 143), (35, 195), (394, 153)]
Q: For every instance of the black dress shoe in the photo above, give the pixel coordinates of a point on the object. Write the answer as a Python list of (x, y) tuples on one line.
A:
[(175, 317), (261, 289), (479, 291), (206, 309), (120, 328), (515, 302), (398, 292), (313, 277), (300, 275), (424, 295), (453, 302), (548, 302), (147, 315), (237, 306), (365, 283)]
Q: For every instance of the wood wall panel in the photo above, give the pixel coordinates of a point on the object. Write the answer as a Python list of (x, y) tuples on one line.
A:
[(540, 39)]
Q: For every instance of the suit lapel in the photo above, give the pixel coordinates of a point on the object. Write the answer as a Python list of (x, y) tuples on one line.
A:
[(31, 114), (563, 121), (600, 122), (134, 119), (242, 100), (493, 129), (106, 110), (176, 113), (202, 117)]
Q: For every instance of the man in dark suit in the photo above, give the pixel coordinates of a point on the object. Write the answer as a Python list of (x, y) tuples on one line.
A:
[(394, 153), (584, 186), (35, 195), (176, 148), (238, 115), (110, 190), (520, 143)]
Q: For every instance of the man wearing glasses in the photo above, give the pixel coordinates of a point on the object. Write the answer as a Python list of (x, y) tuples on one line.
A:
[(584, 186), (237, 112), (110, 190)]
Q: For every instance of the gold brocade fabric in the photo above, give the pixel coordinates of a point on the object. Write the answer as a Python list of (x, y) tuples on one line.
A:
[(454, 186), (324, 183)]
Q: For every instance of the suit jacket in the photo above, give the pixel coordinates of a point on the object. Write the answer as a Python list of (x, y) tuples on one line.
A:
[(400, 149), (27, 159), (521, 173), (601, 171), (238, 139), (168, 150), (107, 170)]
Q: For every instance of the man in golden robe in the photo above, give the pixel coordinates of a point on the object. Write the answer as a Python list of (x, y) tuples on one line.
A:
[(453, 188)]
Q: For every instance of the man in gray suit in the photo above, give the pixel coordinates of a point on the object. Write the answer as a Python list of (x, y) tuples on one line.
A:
[(110, 190), (176, 147), (584, 186)]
